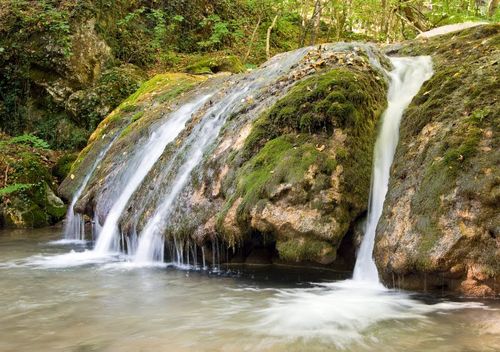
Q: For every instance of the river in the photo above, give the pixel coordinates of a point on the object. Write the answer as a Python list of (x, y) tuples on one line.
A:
[(118, 306)]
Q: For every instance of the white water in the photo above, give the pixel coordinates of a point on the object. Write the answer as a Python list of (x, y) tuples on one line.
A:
[(110, 307), (346, 312), (148, 154), (74, 224), (406, 79), (151, 240)]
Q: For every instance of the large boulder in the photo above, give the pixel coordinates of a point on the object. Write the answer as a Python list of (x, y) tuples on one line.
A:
[(288, 176)]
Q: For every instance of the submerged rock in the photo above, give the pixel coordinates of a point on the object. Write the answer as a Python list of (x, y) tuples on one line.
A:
[(441, 226)]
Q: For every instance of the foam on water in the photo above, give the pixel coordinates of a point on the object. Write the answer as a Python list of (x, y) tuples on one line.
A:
[(344, 312), (71, 259), (66, 241)]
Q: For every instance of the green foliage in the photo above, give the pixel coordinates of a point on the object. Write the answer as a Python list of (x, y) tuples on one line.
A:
[(30, 139), (37, 42), (32, 33), (219, 32)]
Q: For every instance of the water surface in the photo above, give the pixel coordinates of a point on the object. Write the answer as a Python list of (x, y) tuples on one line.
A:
[(114, 305)]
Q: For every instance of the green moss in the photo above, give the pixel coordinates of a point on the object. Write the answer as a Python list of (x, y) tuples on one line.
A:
[(341, 98), (304, 249), (129, 108), (291, 154), (157, 83), (285, 159), (216, 64), (458, 99), (63, 166), (163, 88), (35, 217), (26, 198)]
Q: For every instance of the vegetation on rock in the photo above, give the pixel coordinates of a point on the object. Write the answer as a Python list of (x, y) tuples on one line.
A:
[(27, 185), (136, 113)]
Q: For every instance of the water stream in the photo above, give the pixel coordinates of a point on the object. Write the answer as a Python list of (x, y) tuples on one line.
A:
[(146, 157), (74, 224), (151, 240), (405, 81), (89, 300)]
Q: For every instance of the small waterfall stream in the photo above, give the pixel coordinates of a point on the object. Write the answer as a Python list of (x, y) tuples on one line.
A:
[(151, 240), (108, 239), (148, 245), (74, 225), (406, 79)]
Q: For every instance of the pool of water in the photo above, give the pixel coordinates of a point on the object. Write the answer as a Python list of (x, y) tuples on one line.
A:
[(48, 304)]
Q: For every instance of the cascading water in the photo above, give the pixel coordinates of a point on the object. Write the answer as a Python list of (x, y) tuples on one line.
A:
[(74, 225), (406, 79), (147, 156), (151, 242)]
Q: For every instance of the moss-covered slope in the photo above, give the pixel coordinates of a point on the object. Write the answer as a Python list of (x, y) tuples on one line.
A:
[(441, 224)]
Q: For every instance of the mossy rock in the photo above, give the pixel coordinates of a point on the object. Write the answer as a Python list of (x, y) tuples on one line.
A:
[(27, 199), (160, 91), (308, 157), (63, 166), (304, 249), (212, 65)]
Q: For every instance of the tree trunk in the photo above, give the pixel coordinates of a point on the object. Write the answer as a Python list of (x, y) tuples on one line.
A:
[(304, 22), (252, 38), (492, 8), (268, 37), (317, 21)]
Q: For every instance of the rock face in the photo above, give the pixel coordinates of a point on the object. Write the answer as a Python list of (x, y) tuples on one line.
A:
[(441, 226), (303, 174), (288, 177), (128, 123), (58, 75)]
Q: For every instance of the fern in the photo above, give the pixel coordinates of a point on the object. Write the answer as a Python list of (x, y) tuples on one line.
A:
[(29, 139)]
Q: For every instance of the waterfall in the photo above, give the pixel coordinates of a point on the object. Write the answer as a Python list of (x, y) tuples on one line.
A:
[(406, 79), (74, 225), (147, 156), (192, 151)]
